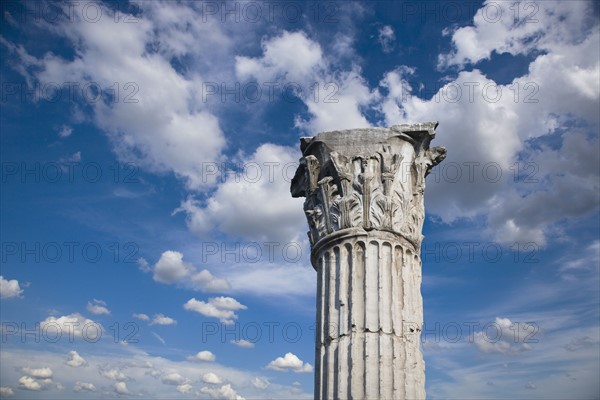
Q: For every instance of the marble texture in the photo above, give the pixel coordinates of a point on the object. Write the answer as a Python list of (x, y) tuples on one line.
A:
[(365, 210)]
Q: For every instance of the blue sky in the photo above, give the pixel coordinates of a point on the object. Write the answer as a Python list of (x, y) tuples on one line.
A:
[(151, 248)]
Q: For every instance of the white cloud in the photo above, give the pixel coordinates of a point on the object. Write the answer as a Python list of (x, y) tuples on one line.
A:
[(496, 28), (160, 319), (387, 38), (225, 392), (113, 374), (84, 386), (171, 268), (292, 56), (142, 317), (28, 383), (343, 97), (341, 94), (204, 355), (207, 282), (173, 378), (37, 379), (9, 288), (260, 383), (143, 265), (504, 337), (98, 307), (156, 121), (142, 373), (40, 373), (75, 360), (6, 391), (65, 131), (222, 308), (264, 179), (185, 388), (528, 108), (211, 377), (243, 343), (72, 326), (121, 388), (289, 362)]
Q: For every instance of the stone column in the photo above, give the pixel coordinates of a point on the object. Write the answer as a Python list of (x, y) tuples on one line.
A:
[(364, 206)]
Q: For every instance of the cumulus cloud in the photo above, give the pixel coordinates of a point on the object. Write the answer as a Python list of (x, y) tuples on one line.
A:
[(160, 319), (211, 377), (9, 288), (173, 378), (289, 362), (98, 307), (204, 355), (144, 375), (495, 29), (36, 379), (292, 56), (113, 374), (243, 343), (156, 122), (143, 265), (505, 337), (225, 392), (171, 268), (264, 178), (185, 388), (121, 388), (520, 184), (222, 308), (142, 317), (29, 383), (342, 93), (6, 391), (84, 386), (260, 383), (72, 326), (41, 373), (75, 360)]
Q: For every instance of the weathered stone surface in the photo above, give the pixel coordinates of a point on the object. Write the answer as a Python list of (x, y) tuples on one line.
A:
[(365, 210)]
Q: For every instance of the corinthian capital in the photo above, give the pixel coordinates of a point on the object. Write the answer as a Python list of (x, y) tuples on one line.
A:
[(366, 179)]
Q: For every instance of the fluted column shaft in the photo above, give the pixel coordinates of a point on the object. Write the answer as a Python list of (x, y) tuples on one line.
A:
[(369, 320)]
